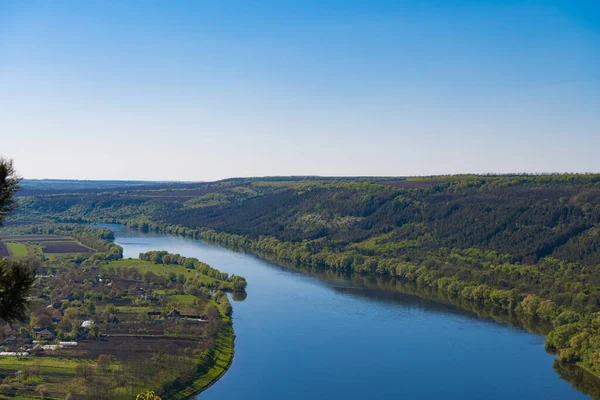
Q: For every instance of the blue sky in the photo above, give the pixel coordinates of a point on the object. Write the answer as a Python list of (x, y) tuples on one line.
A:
[(202, 90)]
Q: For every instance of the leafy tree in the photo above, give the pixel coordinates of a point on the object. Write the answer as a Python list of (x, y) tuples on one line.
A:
[(9, 185), (15, 282), (15, 278), (103, 362), (147, 396), (84, 370), (94, 332)]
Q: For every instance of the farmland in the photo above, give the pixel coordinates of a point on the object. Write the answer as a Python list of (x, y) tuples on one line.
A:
[(22, 246), (108, 329), (4, 252), (64, 247), (18, 249), (35, 238)]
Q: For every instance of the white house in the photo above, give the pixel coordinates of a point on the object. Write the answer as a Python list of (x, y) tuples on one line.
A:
[(87, 324)]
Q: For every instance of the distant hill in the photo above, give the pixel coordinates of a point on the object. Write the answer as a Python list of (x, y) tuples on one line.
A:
[(56, 184), (33, 186)]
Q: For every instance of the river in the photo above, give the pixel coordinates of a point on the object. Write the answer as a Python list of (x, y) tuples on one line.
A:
[(305, 337)]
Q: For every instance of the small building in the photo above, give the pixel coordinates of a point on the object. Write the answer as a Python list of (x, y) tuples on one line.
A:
[(87, 324), (14, 353), (43, 333), (197, 317), (153, 314), (174, 315)]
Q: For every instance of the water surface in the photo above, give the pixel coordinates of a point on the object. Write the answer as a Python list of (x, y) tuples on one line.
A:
[(304, 337)]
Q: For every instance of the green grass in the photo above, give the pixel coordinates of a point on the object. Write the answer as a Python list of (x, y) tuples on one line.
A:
[(23, 250), (134, 309), (222, 356), (18, 250), (46, 364), (186, 299), (161, 269)]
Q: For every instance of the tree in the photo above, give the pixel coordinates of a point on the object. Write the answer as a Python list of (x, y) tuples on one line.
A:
[(15, 278), (103, 362), (94, 332), (42, 390), (84, 370), (15, 282), (147, 396), (40, 320), (9, 185)]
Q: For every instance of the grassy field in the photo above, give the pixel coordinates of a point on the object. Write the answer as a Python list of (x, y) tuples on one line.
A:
[(161, 269), (183, 298), (18, 250), (48, 246), (46, 364), (134, 309), (221, 359)]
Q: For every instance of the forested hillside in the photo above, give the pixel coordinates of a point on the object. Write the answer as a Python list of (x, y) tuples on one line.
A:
[(526, 217), (526, 244)]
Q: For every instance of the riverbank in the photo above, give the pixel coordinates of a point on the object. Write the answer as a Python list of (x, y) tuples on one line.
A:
[(215, 364), (567, 321), (294, 318)]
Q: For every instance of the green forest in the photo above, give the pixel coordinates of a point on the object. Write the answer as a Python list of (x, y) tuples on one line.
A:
[(524, 244)]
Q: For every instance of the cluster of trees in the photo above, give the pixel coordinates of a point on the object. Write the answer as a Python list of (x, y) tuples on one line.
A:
[(238, 283)]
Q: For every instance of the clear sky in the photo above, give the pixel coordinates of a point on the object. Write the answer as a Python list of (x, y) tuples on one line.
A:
[(202, 90)]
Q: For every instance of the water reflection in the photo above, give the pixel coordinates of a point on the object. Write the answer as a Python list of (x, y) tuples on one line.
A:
[(391, 290), (279, 297), (579, 378), (239, 296)]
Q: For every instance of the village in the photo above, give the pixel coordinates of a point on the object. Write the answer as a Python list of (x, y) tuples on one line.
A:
[(90, 321)]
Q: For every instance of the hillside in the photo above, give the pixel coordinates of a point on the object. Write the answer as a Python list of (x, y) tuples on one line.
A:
[(524, 217)]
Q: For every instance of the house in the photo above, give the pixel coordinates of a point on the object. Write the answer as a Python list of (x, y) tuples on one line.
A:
[(14, 353), (43, 333), (198, 317), (87, 324), (174, 315)]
